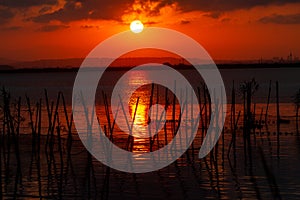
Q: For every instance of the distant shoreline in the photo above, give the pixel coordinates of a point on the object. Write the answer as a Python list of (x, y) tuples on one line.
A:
[(178, 67)]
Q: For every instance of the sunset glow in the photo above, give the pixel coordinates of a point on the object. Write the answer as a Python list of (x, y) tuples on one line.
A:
[(70, 29)]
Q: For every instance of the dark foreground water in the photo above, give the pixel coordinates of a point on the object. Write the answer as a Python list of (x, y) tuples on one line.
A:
[(74, 174)]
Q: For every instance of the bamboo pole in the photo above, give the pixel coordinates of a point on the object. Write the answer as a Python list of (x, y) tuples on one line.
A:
[(297, 119), (268, 102), (166, 108), (278, 118)]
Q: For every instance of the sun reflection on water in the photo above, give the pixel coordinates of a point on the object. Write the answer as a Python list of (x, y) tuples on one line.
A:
[(139, 113)]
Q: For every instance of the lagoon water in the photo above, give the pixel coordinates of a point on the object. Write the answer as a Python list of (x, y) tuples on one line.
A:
[(268, 170), (33, 84)]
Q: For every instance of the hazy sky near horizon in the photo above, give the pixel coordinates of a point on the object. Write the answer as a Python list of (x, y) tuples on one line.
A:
[(227, 29)]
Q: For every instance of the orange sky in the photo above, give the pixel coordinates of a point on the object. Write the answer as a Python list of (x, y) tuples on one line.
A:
[(228, 30)]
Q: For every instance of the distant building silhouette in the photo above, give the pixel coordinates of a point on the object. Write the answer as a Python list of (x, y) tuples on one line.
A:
[(290, 57)]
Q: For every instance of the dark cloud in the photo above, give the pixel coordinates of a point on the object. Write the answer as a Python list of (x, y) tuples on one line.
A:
[(89, 9), (214, 15), (89, 27), (50, 28), (26, 3), (185, 22), (226, 20), (5, 15), (11, 28), (45, 9), (150, 23), (224, 5), (74, 10), (281, 19)]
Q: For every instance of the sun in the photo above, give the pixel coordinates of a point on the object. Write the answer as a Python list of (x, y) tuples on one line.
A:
[(136, 26)]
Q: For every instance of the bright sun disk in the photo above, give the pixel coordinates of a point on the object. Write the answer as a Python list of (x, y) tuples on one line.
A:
[(136, 26)]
